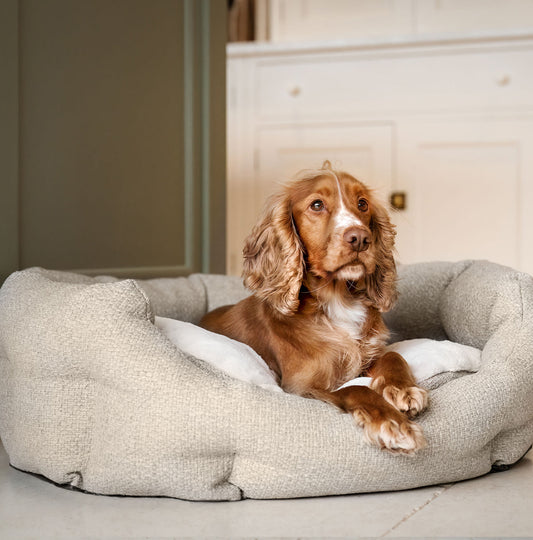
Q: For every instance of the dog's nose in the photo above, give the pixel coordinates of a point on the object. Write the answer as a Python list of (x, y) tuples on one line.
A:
[(359, 239)]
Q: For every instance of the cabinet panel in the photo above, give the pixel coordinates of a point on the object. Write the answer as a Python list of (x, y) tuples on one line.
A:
[(296, 20), (479, 15), (362, 150), (365, 151), (466, 182)]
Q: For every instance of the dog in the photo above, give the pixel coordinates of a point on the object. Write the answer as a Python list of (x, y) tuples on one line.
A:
[(321, 267)]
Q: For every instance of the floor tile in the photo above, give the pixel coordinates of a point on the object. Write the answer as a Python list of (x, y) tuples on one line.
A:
[(495, 505)]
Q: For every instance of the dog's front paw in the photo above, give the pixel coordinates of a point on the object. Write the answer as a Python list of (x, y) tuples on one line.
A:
[(411, 400), (397, 434)]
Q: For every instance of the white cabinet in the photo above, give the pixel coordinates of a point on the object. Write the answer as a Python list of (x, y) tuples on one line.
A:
[(449, 122)]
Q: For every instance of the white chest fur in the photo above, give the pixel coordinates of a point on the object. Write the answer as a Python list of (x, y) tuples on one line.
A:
[(350, 318)]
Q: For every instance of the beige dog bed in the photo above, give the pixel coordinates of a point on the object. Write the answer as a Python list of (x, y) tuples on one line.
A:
[(94, 396)]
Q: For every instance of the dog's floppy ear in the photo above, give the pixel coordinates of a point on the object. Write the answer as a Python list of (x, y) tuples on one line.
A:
[(381, 284), (273, 257)]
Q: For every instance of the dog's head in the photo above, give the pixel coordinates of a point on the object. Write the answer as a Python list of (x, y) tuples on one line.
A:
[(329, 225)]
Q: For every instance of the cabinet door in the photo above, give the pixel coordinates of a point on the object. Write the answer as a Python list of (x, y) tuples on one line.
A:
[(362, 150), (468, 187)]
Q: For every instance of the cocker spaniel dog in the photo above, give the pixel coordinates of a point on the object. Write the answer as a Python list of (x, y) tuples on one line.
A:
[(321, 267)]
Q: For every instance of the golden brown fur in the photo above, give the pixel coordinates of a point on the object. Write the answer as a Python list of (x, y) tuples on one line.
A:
[(320, 264)]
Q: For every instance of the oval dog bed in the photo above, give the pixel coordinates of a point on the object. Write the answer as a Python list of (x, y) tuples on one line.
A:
[(94, 396)]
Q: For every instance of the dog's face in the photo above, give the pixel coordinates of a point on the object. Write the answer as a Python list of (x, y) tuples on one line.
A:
[(334, 217), (328, 225)]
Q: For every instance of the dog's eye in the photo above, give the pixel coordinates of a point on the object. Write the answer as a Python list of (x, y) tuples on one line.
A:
[(362, 205), (317, 205)]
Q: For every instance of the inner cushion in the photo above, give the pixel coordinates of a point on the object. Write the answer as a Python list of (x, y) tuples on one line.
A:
[(426, 357), (232, 357), (93, 395)]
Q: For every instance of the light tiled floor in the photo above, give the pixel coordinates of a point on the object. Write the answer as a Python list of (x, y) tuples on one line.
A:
[(496, 505)]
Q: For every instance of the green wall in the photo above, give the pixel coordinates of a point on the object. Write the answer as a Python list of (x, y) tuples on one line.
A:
[(113, 136)]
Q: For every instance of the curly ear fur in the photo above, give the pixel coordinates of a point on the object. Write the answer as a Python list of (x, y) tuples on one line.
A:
[(273, 257), (381, 284)]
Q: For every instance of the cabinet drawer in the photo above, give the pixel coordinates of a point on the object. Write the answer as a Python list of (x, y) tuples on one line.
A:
[(318, 85)]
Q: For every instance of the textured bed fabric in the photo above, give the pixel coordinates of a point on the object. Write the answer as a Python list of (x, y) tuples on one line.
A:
[(93, 395)]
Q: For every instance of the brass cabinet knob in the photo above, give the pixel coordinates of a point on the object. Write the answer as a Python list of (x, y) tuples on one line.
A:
[(295, 91), (503, 80), (398, 200)]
